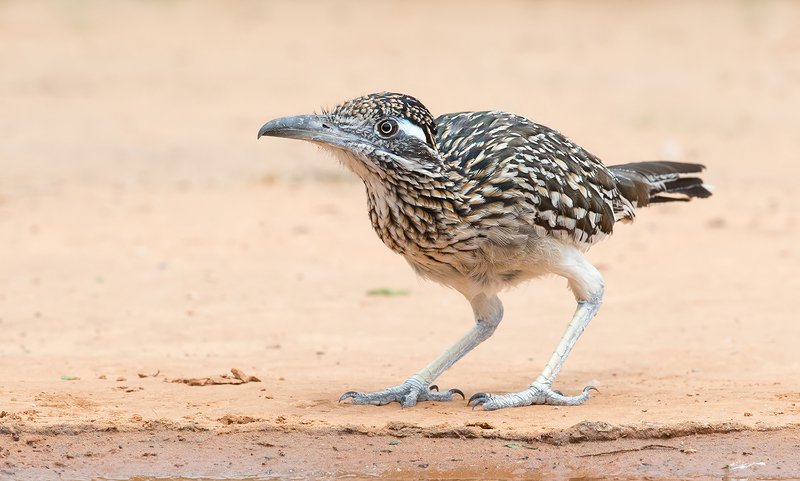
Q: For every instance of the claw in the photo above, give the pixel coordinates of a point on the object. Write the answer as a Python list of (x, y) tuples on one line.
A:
[(434, 387), (590, 388), (477, 399), (347, 395), (476, 396), (457, 391)]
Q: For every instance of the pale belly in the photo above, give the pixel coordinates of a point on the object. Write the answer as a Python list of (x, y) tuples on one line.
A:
[(489, 268)]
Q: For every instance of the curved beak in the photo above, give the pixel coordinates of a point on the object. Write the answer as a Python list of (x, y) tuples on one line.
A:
[(313, 128)]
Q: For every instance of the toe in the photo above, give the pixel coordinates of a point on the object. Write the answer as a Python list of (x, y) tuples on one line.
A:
[(431, 395), (407, 394), (557, 399), (410, 399)]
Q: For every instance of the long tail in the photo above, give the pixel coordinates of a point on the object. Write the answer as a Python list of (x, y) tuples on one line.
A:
[(644, 183)]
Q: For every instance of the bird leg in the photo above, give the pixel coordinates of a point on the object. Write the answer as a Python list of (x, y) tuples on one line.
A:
[(587, 284), (488, 313)]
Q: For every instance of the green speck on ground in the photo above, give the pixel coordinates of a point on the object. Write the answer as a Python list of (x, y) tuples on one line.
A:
[(387, 292)]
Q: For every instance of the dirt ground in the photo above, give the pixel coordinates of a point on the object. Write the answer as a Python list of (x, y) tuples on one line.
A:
[(147, 237)]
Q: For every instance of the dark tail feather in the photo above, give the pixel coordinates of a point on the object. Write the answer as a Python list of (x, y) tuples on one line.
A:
[(644, 183)]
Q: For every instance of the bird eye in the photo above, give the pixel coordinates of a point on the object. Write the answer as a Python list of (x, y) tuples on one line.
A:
[(387, 128)]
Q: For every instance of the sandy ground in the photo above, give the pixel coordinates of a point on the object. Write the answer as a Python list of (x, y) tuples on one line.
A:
[(145, 231)]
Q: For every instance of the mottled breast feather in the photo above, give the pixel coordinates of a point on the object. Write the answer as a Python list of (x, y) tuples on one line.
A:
[(514, 164)]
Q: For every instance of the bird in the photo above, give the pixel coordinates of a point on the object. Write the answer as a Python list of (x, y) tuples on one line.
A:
[(480, 202)]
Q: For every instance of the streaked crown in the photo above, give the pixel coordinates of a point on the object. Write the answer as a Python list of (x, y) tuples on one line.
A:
[(387, 105)]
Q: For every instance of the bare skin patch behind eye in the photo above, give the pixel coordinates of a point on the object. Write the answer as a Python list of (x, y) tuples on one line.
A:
[(412, 130)]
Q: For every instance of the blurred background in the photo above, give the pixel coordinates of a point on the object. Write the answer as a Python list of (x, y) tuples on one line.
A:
[(163, 91), (140, 220)]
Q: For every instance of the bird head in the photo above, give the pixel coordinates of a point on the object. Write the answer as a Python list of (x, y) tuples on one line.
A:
[(374, 135)]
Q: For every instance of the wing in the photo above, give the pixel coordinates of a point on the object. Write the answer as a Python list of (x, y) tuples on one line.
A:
[(510, 163)]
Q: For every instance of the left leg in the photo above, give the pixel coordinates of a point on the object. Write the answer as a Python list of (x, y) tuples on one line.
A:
[(587, 284), (488, 314)]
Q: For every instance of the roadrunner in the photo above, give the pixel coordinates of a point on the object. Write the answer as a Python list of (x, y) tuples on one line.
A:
[(481, 201)]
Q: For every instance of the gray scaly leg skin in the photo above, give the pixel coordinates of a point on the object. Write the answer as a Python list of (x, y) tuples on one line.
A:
[(488, 313), (535, 394), (407, 394), (587, 284)]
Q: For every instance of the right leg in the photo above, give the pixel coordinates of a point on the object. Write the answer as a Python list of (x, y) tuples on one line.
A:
[(587, 284)]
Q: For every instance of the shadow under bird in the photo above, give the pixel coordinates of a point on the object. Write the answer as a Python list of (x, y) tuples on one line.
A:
[(481, 201)]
